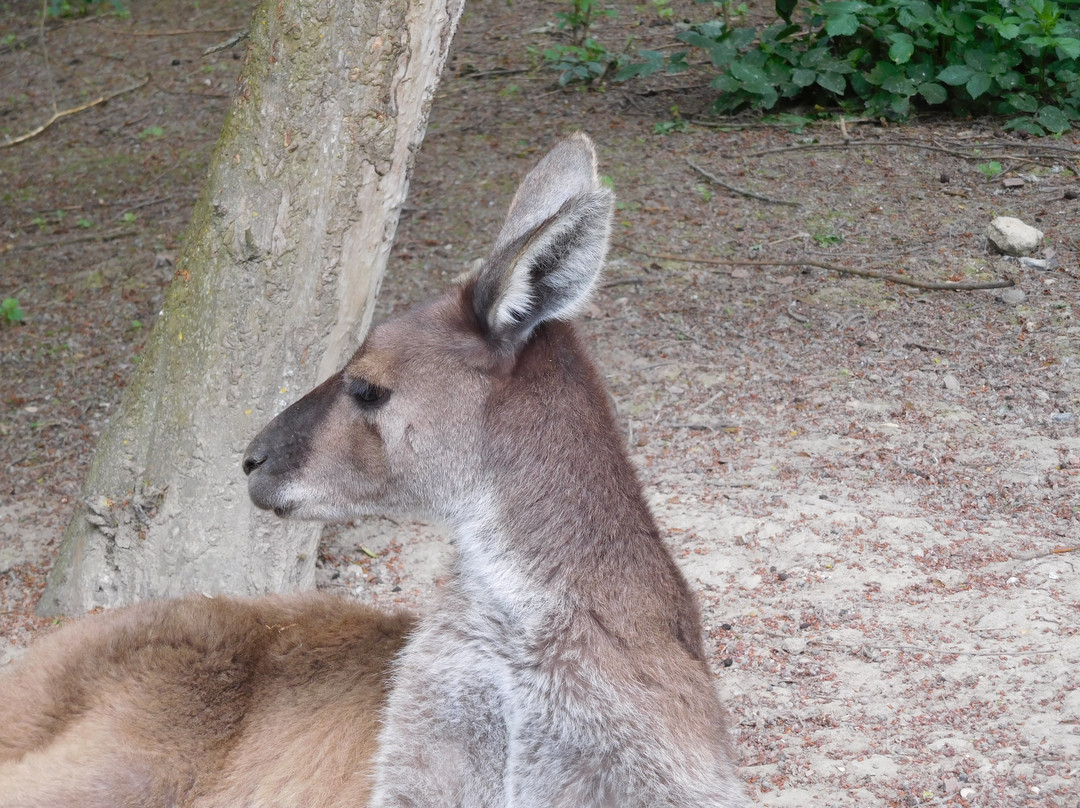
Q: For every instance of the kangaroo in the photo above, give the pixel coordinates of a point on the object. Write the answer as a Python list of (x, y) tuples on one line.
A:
[(562, 665), (207, 702)]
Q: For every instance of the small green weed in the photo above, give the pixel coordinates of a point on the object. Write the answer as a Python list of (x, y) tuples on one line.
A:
[(586, 63), (676, 124), (81, 8), (129, 218), (668, 127), (990, 169), (84, 223), (579, 19), (10, 311), (151, 131)]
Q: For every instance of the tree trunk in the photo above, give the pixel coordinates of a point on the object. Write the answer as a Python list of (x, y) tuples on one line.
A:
[(281, 264)]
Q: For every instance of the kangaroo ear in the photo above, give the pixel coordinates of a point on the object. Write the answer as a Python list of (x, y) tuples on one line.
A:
[(549, 253)]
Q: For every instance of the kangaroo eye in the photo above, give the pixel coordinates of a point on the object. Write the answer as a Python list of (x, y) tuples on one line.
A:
[(366, 393)]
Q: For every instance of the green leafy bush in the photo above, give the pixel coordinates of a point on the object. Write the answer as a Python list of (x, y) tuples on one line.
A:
[(1016, 58)]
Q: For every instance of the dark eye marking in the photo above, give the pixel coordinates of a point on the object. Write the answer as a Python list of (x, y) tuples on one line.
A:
[(367, 394)]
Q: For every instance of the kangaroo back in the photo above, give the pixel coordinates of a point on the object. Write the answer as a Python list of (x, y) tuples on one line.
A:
[(200, 702)]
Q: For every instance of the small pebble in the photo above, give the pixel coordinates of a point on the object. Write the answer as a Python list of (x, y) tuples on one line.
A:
[(952, 384), (1044, 264), (794, 645), (1014, 296), (1062, 417)]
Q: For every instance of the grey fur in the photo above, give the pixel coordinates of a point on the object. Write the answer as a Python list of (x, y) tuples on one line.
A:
[(563, 664)]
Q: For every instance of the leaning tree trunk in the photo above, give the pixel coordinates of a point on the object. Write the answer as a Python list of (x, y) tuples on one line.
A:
[(281, 264)]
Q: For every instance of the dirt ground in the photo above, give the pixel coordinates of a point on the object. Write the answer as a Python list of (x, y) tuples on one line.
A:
[(875, 488)]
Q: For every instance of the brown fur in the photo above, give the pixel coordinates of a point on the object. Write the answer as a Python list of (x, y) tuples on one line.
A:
[(200, 702)]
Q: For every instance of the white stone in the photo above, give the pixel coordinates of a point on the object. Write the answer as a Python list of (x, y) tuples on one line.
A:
[(1013, 237), (794, 645)]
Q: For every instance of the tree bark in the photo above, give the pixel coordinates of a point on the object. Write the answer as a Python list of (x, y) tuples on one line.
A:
[(276, 285)]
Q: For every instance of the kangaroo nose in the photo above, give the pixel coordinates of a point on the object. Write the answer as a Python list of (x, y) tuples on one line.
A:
[(253, 460)]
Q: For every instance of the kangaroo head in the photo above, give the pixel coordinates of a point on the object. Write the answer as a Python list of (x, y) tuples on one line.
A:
[(404, 427)]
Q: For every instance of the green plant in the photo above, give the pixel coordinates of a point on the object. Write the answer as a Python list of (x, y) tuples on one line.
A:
[(129, 218), (826, 237), (676, 124), (586, 63), (84, 223), (579, 19), (80, 8), (663, 9), (990, 169), (151, 131), (10, 311), (1015, 58)]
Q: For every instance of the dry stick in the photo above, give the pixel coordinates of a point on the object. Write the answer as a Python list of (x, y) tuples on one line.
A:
[(867, 143), (57, 115), (714, 179), (171, 32), (924, 650), (239, 36), (60, 242), (1028, 556), (862, 273)]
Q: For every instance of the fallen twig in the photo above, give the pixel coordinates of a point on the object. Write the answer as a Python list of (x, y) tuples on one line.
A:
[(716, 180), (790, 312), (37, 245), (58, 114), (1043, 553), (239, 36), (922, 347), (919, 649), (170, 31), (904, 144), (498, 72), (941, 286)]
